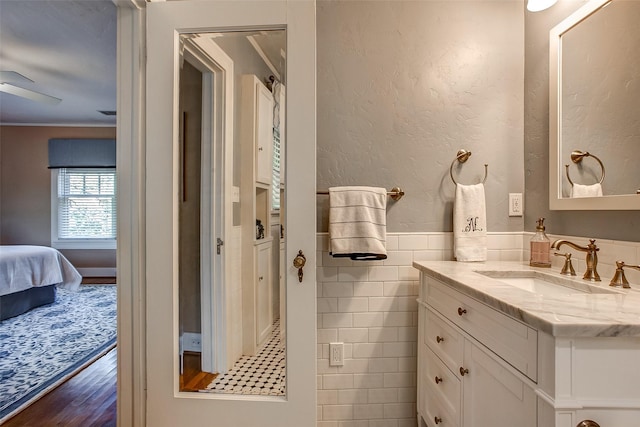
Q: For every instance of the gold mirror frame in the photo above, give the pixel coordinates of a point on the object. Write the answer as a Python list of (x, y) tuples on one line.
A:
[(556, 201)]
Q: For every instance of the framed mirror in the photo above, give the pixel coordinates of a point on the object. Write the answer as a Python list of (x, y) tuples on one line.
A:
[(594, 129), (231, 118)]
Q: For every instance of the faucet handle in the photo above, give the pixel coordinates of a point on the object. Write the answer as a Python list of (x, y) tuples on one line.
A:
[(619, 279), (567, 268)]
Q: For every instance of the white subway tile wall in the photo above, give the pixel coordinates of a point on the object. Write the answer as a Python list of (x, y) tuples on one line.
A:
[(371, 308)]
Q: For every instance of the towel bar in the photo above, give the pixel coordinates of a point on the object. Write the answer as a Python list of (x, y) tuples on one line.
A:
[(577, 156), (395, 193), (462, 156)]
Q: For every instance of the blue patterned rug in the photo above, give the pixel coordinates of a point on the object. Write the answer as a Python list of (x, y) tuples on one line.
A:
[(43, 347)]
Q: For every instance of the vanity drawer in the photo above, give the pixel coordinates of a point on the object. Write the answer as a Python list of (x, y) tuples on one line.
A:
[(443, 340), (440, 382), (510, 339), (432, 409)]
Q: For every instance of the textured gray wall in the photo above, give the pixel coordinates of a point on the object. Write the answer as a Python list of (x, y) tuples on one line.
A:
[(619, 225), (189, 208), (402, 85)]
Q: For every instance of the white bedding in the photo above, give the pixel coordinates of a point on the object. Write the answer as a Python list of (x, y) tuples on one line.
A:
[(23, 267)]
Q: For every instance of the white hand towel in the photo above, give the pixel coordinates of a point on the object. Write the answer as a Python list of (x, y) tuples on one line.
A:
[(357, 222), (470, 223), (580, 190)]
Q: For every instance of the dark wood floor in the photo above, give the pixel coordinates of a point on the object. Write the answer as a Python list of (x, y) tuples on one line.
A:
[(86, 399), (192, 378)]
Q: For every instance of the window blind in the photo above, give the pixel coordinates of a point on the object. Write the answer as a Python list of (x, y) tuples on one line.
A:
[(86, 203), (82, 153), (275, 171)]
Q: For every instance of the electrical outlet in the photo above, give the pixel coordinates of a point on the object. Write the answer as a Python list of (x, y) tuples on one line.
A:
[(515, 204), (336, 354), (191, 341)]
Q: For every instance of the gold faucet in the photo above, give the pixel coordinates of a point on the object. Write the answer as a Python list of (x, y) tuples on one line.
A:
[(567, 268), (619, 278), (591, 260)]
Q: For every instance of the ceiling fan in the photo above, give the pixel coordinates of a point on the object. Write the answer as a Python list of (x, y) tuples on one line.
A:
[(8, 81)]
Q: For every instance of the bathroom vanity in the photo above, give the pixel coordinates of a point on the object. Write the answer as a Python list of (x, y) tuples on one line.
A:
[(502, 344)]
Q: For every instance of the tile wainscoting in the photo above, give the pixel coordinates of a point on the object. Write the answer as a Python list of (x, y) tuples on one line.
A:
[(371, 307)]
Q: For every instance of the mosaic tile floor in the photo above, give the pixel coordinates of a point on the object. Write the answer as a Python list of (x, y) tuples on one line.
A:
[(262, 374)]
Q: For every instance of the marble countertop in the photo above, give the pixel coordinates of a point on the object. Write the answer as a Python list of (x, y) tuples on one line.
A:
[(570, 314)]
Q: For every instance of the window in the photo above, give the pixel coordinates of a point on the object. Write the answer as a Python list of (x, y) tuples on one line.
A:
[(275, 174), (83, 208)]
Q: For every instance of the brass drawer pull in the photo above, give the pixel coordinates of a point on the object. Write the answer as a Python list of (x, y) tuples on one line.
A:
[(463, 371), (461, 311), (438, 380), (437, 420), (588, 423), (439, 339)]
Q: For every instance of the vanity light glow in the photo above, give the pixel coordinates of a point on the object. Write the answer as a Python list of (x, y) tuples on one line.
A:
[(538, 5)]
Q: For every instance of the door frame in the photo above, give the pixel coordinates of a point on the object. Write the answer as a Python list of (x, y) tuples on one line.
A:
[(130, 254), (217, 185)]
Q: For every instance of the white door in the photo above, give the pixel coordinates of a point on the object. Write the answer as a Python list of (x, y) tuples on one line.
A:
[(166, 405)]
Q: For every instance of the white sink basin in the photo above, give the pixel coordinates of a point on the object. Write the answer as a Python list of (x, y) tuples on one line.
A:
[(546, 284)]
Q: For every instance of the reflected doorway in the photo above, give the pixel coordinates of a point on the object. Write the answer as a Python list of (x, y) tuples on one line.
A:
[(231, 217)]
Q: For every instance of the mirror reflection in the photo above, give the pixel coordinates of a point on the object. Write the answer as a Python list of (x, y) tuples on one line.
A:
[(600, 101), (232, 231)]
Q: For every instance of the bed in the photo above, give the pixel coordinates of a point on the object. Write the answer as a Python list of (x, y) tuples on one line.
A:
[(29, 276)]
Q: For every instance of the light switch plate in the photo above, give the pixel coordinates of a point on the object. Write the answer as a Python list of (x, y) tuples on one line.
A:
[(515, 204)]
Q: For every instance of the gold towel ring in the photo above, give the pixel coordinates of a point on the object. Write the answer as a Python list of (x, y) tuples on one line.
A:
[(462, 156), (577, 156)]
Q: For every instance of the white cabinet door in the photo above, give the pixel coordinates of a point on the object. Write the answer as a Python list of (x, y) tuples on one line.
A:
[(166, 405), (493, 396), (264, 136), (264, 313)]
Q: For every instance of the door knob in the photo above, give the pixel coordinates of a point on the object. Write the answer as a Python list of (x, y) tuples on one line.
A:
[(298, 262)]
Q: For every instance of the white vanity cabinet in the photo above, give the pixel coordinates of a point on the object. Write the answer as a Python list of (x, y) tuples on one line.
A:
[(460, 379), (492, 356), (256, 142)]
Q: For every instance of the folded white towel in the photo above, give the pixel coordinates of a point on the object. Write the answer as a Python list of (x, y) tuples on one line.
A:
[(580, 190), (470, 223), (357, 222)]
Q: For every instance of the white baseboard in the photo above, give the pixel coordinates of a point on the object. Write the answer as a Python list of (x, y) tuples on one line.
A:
[(98, 272)]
